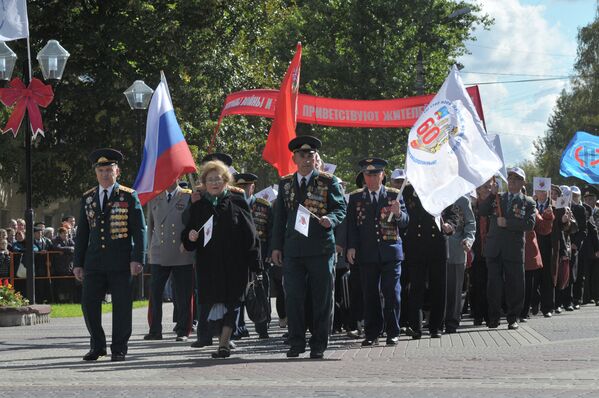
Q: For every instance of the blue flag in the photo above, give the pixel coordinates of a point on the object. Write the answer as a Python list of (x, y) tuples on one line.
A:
[(580, 159)]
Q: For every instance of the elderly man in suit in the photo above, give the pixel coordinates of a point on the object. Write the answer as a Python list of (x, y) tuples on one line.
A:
[(374, 215), (307, 261), (510, 215), (110, 247), (165, 223)]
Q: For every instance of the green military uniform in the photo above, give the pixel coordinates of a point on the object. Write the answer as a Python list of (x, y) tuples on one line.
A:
[(308, 261), (108, 239)]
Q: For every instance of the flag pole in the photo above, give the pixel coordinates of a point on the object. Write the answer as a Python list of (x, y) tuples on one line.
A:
[(28, 256), (403, 185)]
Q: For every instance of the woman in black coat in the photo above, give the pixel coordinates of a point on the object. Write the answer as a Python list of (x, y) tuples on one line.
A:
[(232, 251)]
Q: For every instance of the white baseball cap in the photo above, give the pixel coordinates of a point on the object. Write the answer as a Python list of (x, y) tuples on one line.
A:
[(398, 174)]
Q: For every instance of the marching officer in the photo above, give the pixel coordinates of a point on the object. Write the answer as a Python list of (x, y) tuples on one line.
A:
[(307, 259), (110, 247), (261, 210), (374, 215), (165, 224), (426, 259), (504, 249)]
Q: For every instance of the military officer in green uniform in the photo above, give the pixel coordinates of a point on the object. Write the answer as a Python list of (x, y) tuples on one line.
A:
[(262, 214), (307, 260), (109, 248)]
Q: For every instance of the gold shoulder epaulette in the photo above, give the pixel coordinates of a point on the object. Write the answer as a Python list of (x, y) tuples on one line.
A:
[(326, 175), (187, 191), (126, 189), (391, 189), (89, 191), (263, 201), (236, 190), (288, 176), (356, 191)]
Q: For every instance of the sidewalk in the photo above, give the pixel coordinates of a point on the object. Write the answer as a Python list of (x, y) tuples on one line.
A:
[(545, 357)]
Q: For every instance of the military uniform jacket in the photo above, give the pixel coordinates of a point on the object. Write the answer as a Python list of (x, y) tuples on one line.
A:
[(261, 210), (112, 238), (324, 197), (165, 224), (508, 242), (368, 231), (423, 240)]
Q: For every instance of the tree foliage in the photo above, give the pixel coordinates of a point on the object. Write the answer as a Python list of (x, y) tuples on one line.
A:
[(354, 49), (576, 109)]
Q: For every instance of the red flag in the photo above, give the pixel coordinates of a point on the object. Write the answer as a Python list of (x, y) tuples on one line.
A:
[(283, 126)]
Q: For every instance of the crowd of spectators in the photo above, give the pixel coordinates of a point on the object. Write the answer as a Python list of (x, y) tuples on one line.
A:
[(57, 244)]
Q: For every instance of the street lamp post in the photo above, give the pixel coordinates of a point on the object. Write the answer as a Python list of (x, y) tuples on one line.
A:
[(138, 96), (419, 58), (52, 59)]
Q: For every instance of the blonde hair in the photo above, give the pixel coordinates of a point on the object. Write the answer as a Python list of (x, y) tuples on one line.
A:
[(219, 167)]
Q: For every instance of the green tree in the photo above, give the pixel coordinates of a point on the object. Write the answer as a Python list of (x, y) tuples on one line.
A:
[(576, 109), (208, 48)]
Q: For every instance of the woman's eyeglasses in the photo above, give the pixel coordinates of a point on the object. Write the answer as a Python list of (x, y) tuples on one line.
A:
[(214, 181)]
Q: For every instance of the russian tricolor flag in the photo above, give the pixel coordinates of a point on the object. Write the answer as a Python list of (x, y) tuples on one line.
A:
[(166, 154)]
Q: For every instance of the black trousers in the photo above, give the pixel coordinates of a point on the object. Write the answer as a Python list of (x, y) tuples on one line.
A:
[(404, 281), (505, 275), (431, 273), (531, 283), (262, 327), (276, 282), (546, 288), (182, 278), (478, 289), (356, 297), (377, 279), (96, 283)]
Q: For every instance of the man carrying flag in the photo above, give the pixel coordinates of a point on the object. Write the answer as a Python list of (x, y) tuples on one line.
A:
[(448, 155), (166, 157), (282, 130)]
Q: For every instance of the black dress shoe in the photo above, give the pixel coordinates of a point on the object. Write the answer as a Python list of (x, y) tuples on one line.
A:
[(493, 324), (513, 326), (478, 321), (435, 334), (117, 357), (392, 340), (450, 330), (369, 342), (316, 354), (93, 355), (577, 306), (547, 314), (152, 336), (294, 352), (558, 310), (416, 335), (569, 308), (200, 343), (263, 336), (222, 352)]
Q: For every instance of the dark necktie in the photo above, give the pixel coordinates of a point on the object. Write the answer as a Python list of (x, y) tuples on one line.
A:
[(105, 200), (303, 186), (169, 197), (541, 208), (509, 201), (374, 202)]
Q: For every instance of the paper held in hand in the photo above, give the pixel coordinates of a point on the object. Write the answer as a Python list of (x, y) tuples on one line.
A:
[(541, 184), (563, 201), (207, 227), (302, 220)]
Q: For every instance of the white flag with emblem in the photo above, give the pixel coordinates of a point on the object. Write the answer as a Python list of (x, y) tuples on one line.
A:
[(13, 20), (207, 227), (302, 220), (448, 155)]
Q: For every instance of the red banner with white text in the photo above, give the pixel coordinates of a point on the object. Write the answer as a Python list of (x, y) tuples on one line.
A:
[(402, 112)]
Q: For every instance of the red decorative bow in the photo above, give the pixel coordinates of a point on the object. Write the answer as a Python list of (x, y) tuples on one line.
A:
[(30, 98)]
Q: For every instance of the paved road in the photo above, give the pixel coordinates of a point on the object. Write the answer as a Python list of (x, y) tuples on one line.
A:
[(545, 358)]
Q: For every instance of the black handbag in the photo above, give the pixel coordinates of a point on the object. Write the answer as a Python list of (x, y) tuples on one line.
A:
[(256, 301)]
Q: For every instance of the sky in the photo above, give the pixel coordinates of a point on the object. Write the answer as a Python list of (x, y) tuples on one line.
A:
[(530, 39)]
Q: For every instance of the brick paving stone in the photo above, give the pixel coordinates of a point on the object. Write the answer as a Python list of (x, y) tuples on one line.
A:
[(544, 358)]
